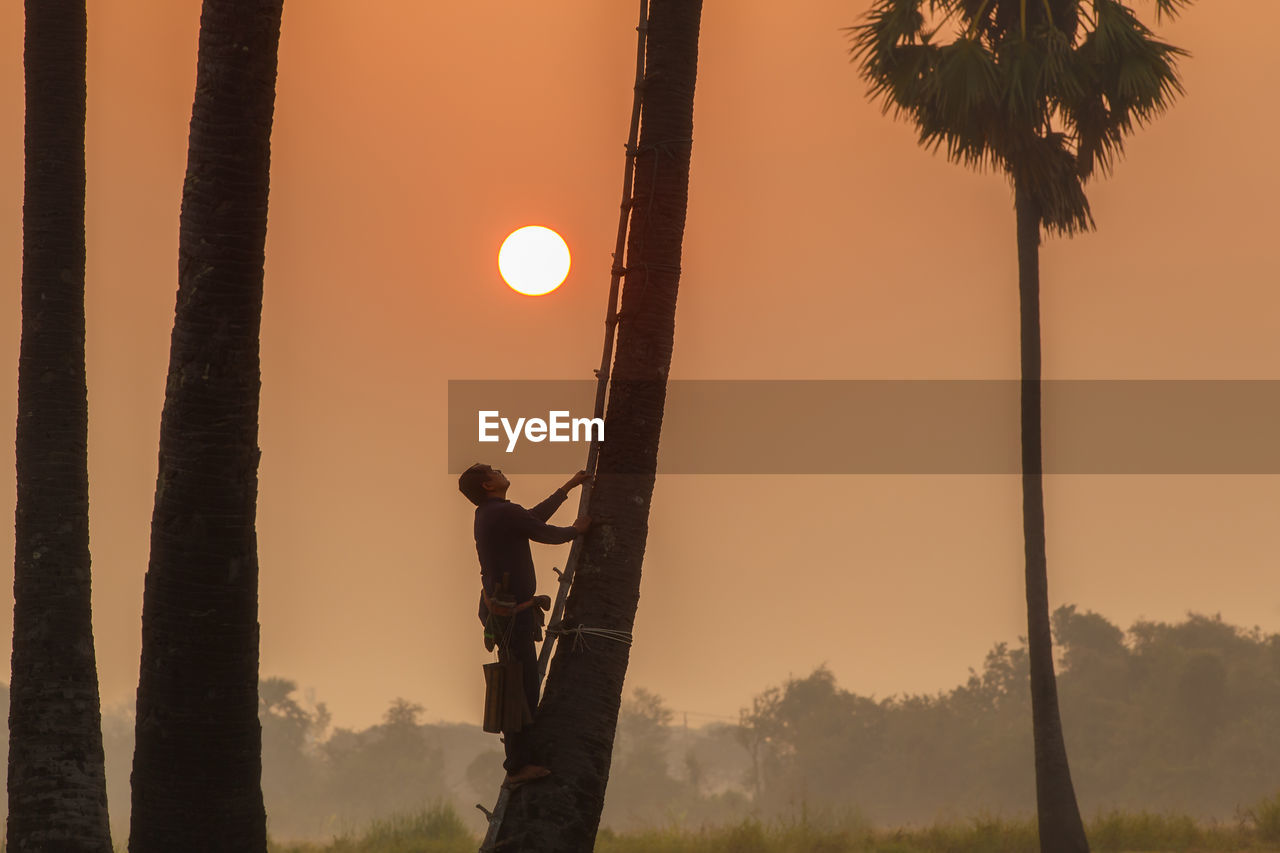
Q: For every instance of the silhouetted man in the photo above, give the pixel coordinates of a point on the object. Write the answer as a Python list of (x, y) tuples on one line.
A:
[(503, 532)]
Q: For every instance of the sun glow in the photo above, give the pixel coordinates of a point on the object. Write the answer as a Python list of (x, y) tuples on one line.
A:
[(533, 260)]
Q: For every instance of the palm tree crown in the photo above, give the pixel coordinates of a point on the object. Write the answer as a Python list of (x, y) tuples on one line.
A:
[(1044, 90)]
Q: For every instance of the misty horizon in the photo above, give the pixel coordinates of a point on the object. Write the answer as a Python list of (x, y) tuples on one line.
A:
[(1194, 688)]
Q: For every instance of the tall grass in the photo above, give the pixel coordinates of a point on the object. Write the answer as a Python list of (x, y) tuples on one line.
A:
[(1109, 833), (749, 836), (438, 829), (1265, 817)]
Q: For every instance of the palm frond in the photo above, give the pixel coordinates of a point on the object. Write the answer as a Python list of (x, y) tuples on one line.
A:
[(1099, 139), (1046, 167), (1136, 72), (897, 78), (979, 17), (962, 95), (1117, 31), (1065, 17), (1148, 83), (1021, 63), (965, 78), (1170, 8), (883, 48), (973, 144), (888, 24), (1060, 77)]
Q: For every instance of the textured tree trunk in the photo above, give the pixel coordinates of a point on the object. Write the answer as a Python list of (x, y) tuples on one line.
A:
[(579, 710), (57, 787), (197, 762), (1058, 815)]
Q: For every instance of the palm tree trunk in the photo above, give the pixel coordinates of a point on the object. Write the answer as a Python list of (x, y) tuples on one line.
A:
[(197, 761), (1061, 830), (578, 714), (57, 786)]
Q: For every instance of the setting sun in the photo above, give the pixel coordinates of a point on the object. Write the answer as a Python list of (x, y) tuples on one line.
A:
[(533, 260)]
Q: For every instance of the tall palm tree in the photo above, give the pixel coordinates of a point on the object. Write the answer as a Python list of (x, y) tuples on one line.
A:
[(1045, 92), (197, 761), (57, 786), (578, 714)]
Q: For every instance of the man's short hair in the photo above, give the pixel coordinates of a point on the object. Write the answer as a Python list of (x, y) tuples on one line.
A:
[(471, 483)]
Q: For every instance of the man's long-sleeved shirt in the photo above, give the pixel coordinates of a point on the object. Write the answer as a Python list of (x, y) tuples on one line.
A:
[(503, 532)]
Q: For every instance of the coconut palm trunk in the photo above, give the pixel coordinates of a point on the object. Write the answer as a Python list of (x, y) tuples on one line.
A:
[(578, 714), (197, 761), (57, 787), (1061, 829)]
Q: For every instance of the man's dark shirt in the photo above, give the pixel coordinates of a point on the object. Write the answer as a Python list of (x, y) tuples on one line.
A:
[(503, 532)]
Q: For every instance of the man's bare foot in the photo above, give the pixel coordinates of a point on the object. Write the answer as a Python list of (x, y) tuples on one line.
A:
[(525, 774)]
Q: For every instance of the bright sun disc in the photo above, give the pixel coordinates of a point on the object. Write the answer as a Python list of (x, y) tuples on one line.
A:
[(534, 260)]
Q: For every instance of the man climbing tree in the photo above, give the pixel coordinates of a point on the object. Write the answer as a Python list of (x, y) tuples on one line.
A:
[(508, 606), (579, 710)]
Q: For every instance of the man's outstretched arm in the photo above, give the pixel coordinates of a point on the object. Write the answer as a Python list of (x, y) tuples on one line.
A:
[(537, 530), (547, 508)]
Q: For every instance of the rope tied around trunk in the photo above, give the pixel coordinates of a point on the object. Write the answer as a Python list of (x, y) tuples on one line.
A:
[(663, 147), (581, 632)]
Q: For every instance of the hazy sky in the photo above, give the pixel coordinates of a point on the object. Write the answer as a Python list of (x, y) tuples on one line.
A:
[(822, 242)]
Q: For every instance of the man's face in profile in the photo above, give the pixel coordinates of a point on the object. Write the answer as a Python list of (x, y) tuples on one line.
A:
[(495, 480)]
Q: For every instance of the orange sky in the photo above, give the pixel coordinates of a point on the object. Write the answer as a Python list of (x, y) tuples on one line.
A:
[(410, 138)]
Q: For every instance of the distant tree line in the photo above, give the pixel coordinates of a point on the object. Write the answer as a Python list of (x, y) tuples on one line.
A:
[(1182, 717), (1178, 717), (315, 780)]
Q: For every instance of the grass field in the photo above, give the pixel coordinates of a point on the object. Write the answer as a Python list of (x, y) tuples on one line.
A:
[(440, 830)]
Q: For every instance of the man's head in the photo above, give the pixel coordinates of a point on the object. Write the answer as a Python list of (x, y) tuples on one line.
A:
[(481, 482)]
